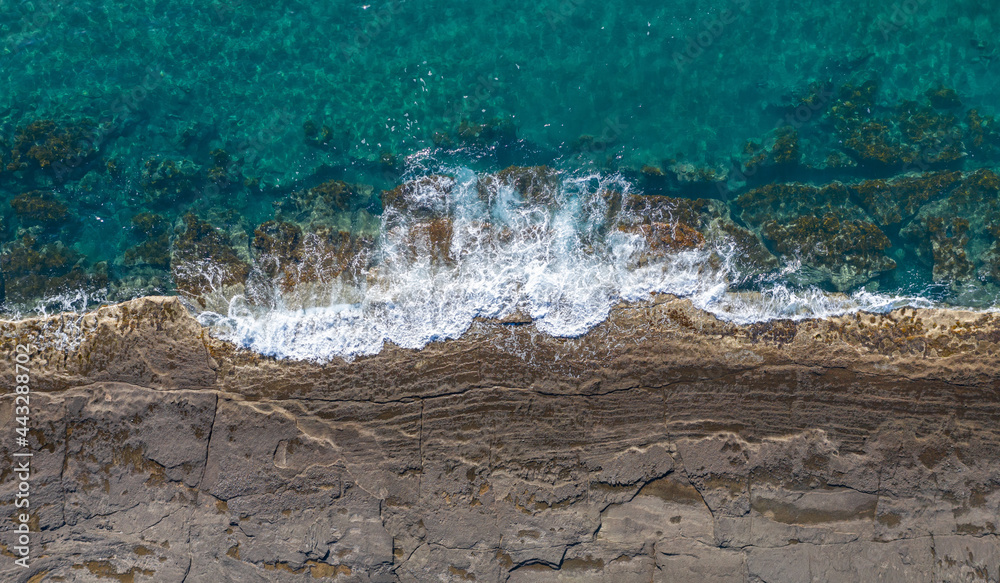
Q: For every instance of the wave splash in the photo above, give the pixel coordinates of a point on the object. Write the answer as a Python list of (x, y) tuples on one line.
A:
[(561, 250)]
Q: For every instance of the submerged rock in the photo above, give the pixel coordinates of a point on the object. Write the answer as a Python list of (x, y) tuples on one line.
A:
[(982, 134), (842, 253), (910, 134), (784, 152), (334, 204), (430, 239), (891, 202), (953, 235), (942, 243), (422, 198), (40, 208), (36, 269), (537, 185), (154, 246), (204, 260), (674, 224), (167, 182), (291, 257), (784, 201), (54, 148)]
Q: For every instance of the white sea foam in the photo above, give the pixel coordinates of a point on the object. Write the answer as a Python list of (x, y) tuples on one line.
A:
[(564, 265), (778, 301)]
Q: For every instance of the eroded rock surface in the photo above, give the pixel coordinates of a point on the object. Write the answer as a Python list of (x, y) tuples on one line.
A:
[(662, 446)]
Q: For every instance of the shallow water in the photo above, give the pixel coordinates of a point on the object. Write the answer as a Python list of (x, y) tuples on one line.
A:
[(231, 112)]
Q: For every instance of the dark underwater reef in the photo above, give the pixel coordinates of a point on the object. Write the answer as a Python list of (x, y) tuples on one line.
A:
[(857, 191)]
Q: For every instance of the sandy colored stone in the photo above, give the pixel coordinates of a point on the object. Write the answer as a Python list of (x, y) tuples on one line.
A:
[(665, 445)]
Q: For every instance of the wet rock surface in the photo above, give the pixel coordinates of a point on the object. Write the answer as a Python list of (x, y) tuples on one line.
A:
[(664, 445)]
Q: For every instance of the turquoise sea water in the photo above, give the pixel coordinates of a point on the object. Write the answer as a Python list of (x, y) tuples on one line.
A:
[(237, 153)]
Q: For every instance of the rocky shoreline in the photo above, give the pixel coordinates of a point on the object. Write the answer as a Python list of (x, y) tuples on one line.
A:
[(664, 445)]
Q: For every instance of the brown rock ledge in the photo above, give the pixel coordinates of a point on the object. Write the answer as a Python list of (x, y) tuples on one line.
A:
[(664, 445)]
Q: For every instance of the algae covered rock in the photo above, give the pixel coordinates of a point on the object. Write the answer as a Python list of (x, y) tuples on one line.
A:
[(333, 204), (36, 269), (153, 248), (290, 256), (317, 235), (54, 148), (982, 135), (638, 209), (910, 134), (431, 239), (843, 253), (784, 152), (421, 198), (955, 235), (539, 185), (662, 238), (203, 259), (671, 224), (990, 270), (942, 242), (39, 208), (166, 182), (893, 201), (782, 201)]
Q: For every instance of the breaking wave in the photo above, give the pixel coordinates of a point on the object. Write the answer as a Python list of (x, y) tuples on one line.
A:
[(455, 248)]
